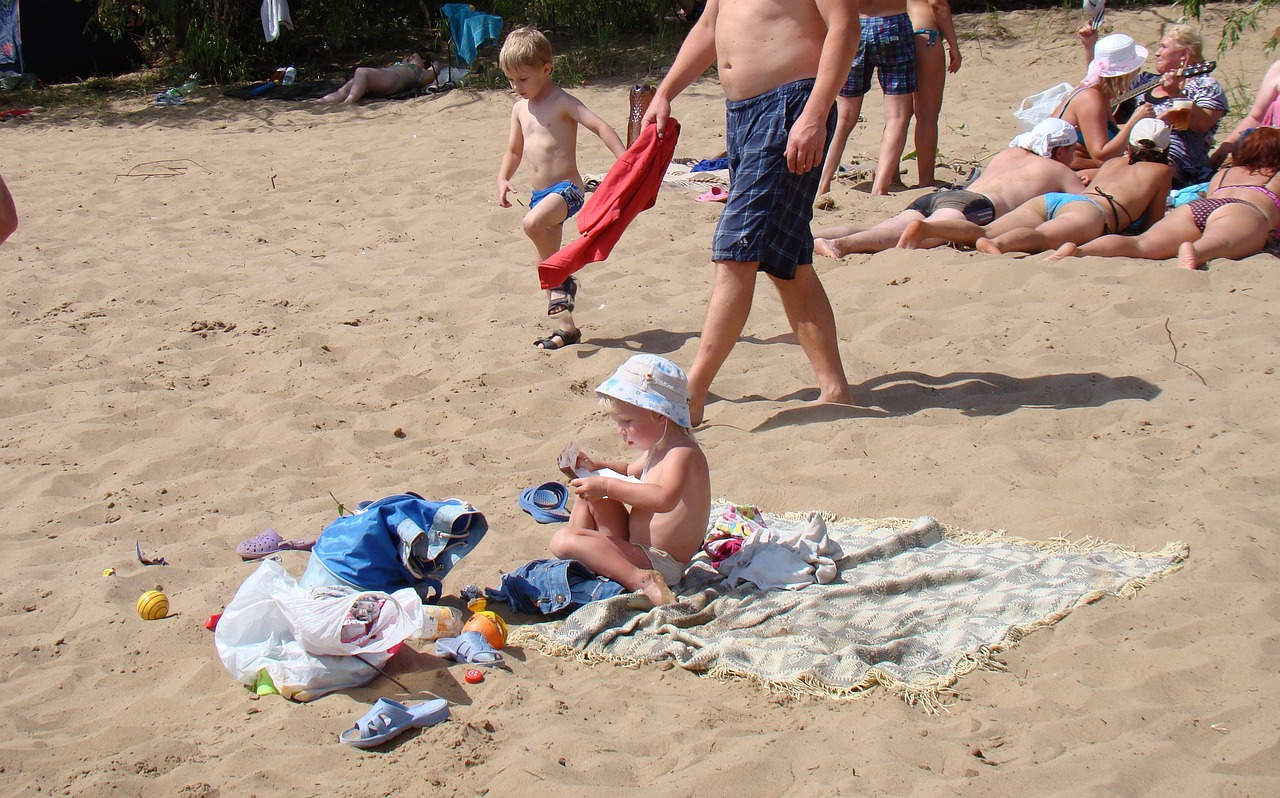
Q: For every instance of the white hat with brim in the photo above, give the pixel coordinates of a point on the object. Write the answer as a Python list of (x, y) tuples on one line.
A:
[(651, 383), (1115, 55)]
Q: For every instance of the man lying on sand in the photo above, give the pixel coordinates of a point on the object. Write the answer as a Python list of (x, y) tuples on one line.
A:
[(1126, 195), (1035, 163), (411, 73)]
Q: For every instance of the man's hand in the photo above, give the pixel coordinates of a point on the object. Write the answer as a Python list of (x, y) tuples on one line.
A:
[(658, 113), (804, 145)]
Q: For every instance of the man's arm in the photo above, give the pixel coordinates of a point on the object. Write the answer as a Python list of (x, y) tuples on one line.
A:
[(808, 136), (696, 55)]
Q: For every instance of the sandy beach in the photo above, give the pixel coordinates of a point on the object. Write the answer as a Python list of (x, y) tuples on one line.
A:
[(218, 315)]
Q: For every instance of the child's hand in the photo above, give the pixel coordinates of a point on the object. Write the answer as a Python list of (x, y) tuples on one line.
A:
[(591, 488), (504, 188), (586, 462)]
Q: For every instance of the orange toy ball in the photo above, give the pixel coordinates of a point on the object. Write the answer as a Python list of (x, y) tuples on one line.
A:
[(489, 624)]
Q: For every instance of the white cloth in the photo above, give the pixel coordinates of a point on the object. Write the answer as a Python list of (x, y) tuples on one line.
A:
[(1048, 135), (274, 14), (785, 558)]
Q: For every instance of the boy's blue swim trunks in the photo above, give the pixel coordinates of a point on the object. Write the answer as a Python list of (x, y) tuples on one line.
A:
[(888, 43), (766, 218), (565, 188)]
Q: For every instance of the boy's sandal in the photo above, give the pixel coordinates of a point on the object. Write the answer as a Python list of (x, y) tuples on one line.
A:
[(558, 340), (388, 718), (565, 301)]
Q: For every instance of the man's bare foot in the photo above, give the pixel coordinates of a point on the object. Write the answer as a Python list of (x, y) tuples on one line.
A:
[(842, 396), (827, 248), (1189, 258), (655, 588), (1067, 250), (912, 234), (988, 246)]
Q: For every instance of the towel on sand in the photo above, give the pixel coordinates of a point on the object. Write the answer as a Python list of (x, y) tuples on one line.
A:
[(914, 607)]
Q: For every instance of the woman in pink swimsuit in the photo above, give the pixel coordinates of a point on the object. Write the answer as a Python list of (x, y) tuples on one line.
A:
[(1239, 216)]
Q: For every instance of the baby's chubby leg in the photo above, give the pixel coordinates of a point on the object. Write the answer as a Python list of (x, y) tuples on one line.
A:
[(608, 554)]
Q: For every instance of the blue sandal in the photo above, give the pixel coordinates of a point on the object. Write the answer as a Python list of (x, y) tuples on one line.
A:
[(387, 718), (546, 503)]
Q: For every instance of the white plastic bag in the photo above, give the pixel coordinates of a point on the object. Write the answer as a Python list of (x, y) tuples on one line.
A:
[(272, 623), (1037, 107)]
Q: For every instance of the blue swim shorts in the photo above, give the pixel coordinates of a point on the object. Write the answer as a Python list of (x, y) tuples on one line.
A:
[(565, 188), (766, 218), (888, 43)]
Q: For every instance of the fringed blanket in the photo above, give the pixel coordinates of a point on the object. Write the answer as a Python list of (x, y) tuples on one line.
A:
[(914, 607)]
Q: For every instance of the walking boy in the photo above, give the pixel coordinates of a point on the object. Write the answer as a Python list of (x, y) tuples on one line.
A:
[(777, 59), (544, 127), (887, 46)]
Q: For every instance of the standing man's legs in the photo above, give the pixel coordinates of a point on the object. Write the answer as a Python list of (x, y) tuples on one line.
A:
[(810, 314), (731, 296), (895, 57)]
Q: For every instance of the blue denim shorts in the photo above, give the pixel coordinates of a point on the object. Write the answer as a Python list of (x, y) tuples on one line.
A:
[(888, 43), (565, 188), (766, 218)]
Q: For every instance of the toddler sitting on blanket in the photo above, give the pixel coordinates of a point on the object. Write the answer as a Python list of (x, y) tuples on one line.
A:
[(642, 525)]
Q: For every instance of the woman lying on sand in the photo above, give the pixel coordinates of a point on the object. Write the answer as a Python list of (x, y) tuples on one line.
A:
[(1124, 195), (1237, 218), (411, 73)]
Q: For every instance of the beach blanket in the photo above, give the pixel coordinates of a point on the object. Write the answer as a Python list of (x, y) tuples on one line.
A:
[(914, 607)]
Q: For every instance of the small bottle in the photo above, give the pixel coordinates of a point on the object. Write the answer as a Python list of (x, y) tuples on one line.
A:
[(193, 83), (438, 621), (290, 75)]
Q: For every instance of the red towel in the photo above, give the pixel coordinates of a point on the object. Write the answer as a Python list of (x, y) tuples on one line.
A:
[(630, 187)]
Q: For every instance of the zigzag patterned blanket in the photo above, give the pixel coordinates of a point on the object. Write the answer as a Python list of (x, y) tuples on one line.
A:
[(915, 606)]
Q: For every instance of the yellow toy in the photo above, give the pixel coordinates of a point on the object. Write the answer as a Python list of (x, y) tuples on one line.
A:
[(487, 623), (153, 605)]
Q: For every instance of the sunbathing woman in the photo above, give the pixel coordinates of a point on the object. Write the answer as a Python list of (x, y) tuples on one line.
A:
[(1116, 60), (1124, 196), (1241, 213), (411, 73)]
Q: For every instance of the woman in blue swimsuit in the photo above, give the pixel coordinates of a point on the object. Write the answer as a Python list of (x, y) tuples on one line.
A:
[(1237, 219), (1117, 58)]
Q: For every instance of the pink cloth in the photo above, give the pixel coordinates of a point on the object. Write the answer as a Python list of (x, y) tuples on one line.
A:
[(630, 187)]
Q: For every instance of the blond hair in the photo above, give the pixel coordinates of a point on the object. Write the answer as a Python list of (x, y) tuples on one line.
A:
[(524, 47), (1189, 39), (1113, 87)]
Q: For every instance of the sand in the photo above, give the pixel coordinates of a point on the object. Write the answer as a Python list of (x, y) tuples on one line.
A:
[(191, 357)]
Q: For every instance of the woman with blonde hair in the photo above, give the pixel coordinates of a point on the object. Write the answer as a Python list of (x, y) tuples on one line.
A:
[(1193, 135), (1116, 59)]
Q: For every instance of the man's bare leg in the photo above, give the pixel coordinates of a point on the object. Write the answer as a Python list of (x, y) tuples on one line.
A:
[(809, 312), (731, 295)]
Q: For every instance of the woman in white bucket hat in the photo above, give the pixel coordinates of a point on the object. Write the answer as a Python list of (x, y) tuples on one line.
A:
[(1116, 59)]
